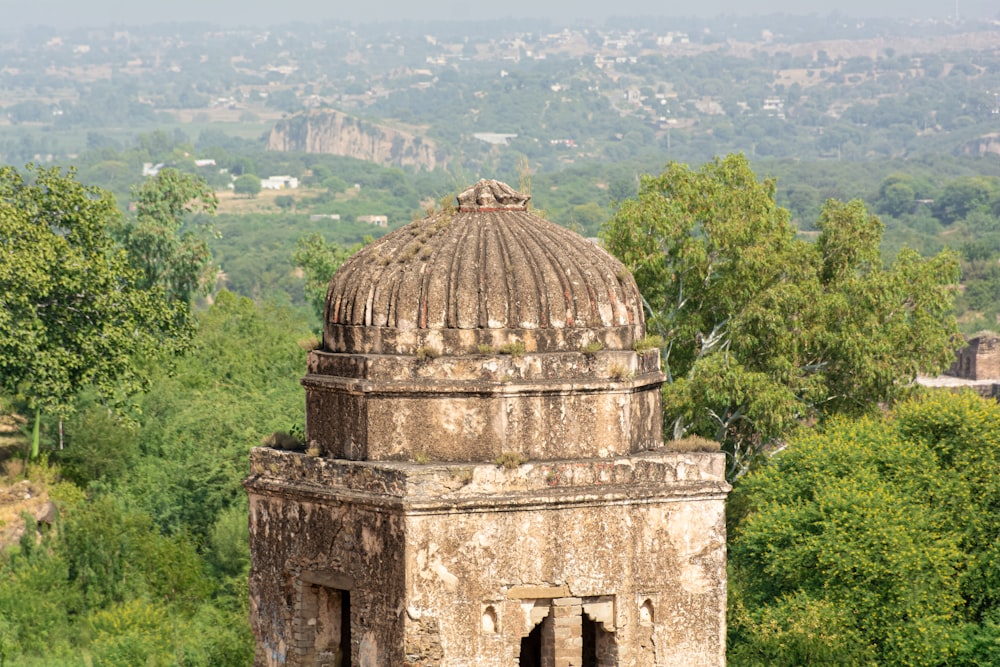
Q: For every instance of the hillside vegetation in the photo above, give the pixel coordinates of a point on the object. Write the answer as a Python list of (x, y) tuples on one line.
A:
[(147, 558)]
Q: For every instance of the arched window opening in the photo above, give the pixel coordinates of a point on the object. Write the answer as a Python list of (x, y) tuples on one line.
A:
[(489, 622), (646, 613)]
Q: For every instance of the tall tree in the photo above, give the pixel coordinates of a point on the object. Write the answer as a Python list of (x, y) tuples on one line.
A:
[(164, 253), (763, 330), (319, 260), (73, 312)]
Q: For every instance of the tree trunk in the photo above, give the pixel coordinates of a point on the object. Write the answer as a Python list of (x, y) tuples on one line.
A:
[(35, 433)]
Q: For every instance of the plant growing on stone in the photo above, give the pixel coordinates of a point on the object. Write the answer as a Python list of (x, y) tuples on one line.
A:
[(426, 352), (514, 349), (647, 343), (509, 460), (693, 443), (619, 372)]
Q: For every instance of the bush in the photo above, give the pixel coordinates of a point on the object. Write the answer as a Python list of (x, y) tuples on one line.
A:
[(98, 446), (132, 633), (873, 541)]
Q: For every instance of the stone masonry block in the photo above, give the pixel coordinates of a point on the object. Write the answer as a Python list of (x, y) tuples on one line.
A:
[(567, 602)]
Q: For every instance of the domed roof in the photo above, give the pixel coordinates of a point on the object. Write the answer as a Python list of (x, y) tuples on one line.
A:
[(487, 274)]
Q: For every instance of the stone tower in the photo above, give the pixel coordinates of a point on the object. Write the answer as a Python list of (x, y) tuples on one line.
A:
[(486, 483)]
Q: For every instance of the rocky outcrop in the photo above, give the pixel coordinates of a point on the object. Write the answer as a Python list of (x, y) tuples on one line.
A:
[(987, 143), (336, 133), (22, 504)]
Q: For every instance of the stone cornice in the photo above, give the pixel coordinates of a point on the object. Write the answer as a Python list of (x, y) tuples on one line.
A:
[(409, 488)]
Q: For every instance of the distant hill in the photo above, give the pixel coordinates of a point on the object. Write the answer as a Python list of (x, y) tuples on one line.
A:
[(336, 133)]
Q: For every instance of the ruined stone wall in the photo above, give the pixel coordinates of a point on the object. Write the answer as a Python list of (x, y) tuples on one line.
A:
[(988, 358), (306, 549), (669, 556), (457, 563)]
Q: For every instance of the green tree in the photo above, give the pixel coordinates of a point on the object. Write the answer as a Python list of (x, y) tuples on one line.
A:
[(319, 260), (102, 541), (873, 541), (962, 196), (132, 633), (165, 254), (8, 641), (73, 311), (247, 184), (236, 384), (763, 330), (334, 184), (37, 603), (897, 196), (98, 445), (162, 529)]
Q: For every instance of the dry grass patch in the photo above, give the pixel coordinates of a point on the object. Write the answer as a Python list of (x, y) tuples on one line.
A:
[(694, 443)]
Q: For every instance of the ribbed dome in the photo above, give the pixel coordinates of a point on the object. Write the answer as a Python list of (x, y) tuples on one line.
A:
[(490, 273)]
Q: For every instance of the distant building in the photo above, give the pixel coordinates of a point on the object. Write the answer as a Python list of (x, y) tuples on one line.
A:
[(671, 37), (377, 220), (279, 183), (495, 138), (979, 359), (316, 217), (774, 107), (709, 107), (976, 367)]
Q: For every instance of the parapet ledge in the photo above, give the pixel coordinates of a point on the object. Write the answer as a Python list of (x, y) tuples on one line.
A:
[(376, 370), (655, 475)]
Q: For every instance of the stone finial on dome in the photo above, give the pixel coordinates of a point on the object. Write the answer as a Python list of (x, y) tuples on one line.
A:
[(490, 195)]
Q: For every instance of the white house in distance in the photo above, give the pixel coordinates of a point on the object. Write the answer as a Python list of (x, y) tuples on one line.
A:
[(279, 183)]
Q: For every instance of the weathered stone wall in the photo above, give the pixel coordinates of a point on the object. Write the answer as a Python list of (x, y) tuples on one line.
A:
[(476, 408), (669, 553), (299, 541), (459, 562)]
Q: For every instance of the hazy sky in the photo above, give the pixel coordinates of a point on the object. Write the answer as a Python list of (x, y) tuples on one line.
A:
[(69, 13)]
